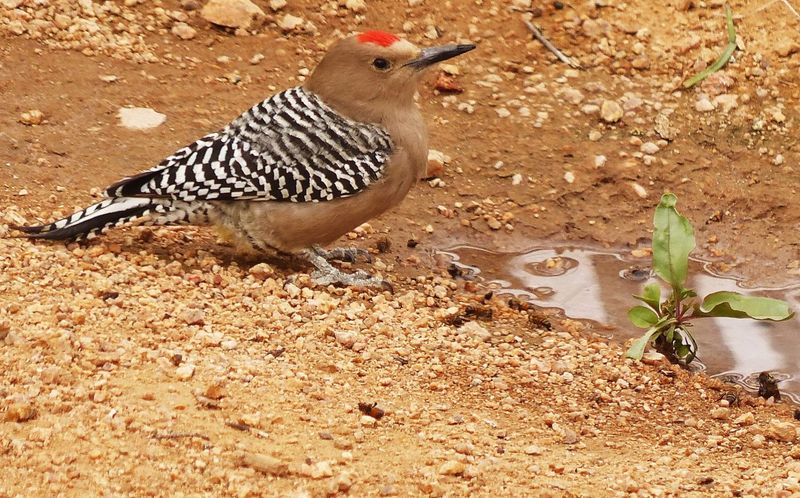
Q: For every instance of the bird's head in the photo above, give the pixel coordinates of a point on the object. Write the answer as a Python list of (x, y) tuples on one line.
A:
[(375, 68)]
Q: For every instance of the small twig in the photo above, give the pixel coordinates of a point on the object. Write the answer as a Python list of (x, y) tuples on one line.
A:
[(549, 46), (12, 139), (791, 7), (239, 426), (723, 58), (180, 435)]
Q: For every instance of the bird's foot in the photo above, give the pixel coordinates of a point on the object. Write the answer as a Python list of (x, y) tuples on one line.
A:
[(327, 274), (345, 254)]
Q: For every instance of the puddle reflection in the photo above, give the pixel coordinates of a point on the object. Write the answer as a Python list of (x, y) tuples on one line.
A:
[(597, 285)]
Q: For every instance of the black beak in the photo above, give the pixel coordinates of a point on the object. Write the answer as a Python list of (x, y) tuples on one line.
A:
[(432, 55)]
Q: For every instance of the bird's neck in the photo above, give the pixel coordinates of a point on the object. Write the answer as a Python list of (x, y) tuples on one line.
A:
[(376, 111), (401, 118)]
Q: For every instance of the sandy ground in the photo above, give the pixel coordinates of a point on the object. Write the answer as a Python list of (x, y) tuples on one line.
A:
[(159, 362)]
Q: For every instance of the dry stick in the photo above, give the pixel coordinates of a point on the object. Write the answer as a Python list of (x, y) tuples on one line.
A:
[(549, 46), (790, 7), (723, 59), (179, 435), (239, 426)]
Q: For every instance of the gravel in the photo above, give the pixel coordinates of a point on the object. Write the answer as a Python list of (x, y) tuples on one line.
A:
[(172, 367)]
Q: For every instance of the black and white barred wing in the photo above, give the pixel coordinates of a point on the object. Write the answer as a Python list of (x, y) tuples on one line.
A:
[(291, 147)]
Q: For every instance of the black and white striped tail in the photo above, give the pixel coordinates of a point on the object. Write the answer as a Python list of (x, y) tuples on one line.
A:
[(117, 211)]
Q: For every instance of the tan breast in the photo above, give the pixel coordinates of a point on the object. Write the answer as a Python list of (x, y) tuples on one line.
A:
[(291, 226)]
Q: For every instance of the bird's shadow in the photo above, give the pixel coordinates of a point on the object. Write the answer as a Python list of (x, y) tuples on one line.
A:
[(189, 248)]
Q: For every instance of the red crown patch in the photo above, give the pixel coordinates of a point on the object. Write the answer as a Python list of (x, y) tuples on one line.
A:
[(381, 38)]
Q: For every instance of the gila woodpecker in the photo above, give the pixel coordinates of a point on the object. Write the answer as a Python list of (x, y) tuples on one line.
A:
[(296, 171)]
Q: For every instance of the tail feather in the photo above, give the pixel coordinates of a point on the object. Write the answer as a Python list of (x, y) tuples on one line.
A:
[(99, 217)]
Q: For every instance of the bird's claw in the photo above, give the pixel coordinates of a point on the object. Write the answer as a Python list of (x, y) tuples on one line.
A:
[(327, 274), (356, 279), (345, 254)]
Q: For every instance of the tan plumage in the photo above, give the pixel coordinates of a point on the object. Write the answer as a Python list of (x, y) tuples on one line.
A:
[(298, 170)]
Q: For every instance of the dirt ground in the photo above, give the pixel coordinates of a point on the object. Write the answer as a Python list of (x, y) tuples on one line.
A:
[(159, 362)]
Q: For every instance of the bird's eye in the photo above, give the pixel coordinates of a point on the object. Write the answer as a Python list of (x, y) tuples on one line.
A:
[(381, 64)]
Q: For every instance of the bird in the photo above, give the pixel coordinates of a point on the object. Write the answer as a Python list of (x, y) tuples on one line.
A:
[(296, 171)]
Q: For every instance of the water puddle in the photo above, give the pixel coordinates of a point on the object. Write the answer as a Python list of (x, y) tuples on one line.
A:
[(596, 285)]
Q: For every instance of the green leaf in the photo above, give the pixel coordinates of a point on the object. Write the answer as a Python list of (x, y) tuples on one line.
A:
[(735, 305), (637, 348), (723, 58), (642, 317), (673, 240), (651, 296)]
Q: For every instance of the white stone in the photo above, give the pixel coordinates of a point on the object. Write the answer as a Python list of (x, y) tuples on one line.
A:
[(703, 104), (726, 102), (140, 118), (450, 69), (183, 31), (290, 22), (452, 468), (345, 338), (590, 109), (432, 33), (184, 372), (367, 421), (781, 431), (32, 117), (242, 14), (475, 330), (572, 95), (356, 5), (610, 111), (640, 191), (649, 148), (533, 450), (599, 161)]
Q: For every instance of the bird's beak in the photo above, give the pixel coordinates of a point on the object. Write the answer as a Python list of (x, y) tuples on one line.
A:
[(432, 55)]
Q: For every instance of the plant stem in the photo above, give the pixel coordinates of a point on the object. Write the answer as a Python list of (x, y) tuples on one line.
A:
[(723, 58), (676, 294)]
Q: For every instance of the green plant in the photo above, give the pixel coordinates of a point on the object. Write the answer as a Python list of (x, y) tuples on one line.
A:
[(668, 321), (723, 59)]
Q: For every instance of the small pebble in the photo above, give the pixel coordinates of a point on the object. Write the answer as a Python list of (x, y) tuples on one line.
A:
[(367, 421), (31, 118), (452, 468), (185, 371), (611, 111), (265, 464)]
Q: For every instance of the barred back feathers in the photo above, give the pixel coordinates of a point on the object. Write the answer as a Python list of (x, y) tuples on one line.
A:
[(291, 147)]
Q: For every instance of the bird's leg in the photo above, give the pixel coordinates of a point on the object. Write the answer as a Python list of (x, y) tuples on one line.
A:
[(327, 274), (346, 254)]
